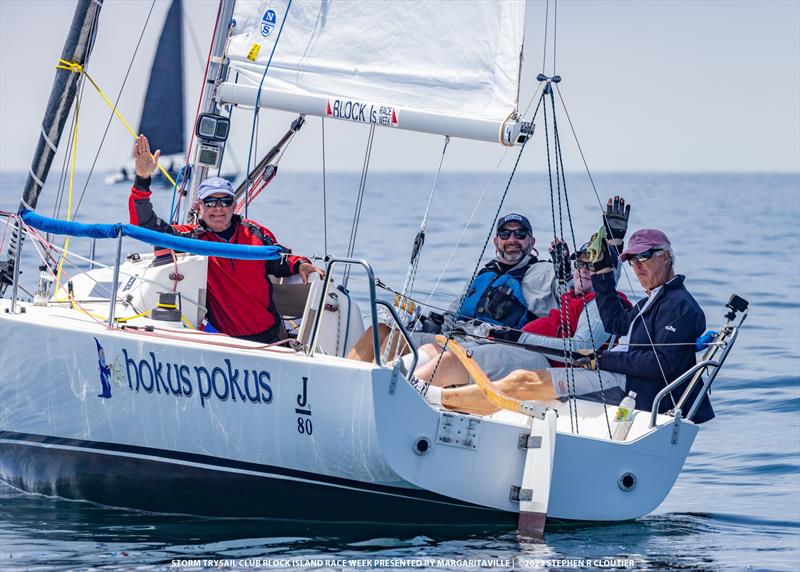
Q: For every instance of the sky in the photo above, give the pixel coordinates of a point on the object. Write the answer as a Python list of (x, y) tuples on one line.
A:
[(650, 86)]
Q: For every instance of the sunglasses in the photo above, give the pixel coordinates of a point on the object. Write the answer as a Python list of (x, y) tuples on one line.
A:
[(581, 264), (211, 202), (644, 256), (520, 233)]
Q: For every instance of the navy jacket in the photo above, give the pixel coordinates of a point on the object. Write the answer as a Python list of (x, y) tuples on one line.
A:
[(673, 317)]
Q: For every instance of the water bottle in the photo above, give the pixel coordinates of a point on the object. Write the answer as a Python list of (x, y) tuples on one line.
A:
[(624, 417), (42, 294)]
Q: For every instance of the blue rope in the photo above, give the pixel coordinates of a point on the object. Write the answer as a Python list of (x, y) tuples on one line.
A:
[(255, 111), (183, 179), (175, 242)]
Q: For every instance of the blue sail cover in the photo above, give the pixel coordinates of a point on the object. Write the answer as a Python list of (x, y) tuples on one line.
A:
[(162, 116), (190, 245)]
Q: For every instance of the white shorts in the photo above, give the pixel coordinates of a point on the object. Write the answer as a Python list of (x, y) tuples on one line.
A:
[(585, 380)]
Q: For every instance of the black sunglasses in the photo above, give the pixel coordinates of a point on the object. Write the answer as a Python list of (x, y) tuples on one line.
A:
[(581, 264), (211, 202), (520, 233), (644, 256)]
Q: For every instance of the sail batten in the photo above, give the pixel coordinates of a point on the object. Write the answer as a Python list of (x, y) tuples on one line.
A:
[(456, 62)]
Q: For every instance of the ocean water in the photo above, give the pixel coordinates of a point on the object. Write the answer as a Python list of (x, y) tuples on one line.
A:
[(736, 504)]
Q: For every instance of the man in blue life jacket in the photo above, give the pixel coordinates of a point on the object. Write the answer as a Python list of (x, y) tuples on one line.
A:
[(511, 290), (515, 287)]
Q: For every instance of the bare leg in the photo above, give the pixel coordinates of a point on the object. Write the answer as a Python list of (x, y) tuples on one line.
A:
[(364, 348), (448, 368), (521, 384)]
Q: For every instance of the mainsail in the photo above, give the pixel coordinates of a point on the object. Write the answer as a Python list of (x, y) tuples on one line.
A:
[(450, 68), (162, 116)]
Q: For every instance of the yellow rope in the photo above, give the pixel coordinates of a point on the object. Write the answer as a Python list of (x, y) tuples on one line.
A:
[(141, 315), (78, 68), (75, 306), (74, 152)]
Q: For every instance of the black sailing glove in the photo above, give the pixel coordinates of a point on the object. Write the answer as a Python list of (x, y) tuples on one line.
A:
[(616, 218), (559, 254)]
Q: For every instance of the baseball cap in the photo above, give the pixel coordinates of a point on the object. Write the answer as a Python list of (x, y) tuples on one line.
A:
[(643, 240), (514, 217), (214, 185)]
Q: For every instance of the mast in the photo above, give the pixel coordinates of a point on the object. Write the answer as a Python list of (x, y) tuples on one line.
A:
[(217, 70), (77, 48)]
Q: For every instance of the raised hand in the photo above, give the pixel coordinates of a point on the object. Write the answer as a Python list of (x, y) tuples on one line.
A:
[(616, 218), (559, 254), (146, 162)]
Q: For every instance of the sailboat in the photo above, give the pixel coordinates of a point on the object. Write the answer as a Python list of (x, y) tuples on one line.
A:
[(162, 117), (131, 405)]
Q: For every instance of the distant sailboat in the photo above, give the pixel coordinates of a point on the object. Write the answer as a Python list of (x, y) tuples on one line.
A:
[(163, 112)]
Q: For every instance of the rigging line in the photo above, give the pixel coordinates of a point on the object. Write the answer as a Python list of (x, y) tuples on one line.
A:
[(478, 203), (500, 204), (62, 178), (116, 102), (79, 69), (614, 246), (188, 208), (62, 182), (71, 182), (419, 241), (544, 47), (258, 101), (559, 281), (560, 161), (359, 202), (555, 33), (561, 176), (324, 194), (198, 52), (488, 236)]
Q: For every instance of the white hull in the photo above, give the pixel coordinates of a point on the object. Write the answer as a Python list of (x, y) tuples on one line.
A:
[(313, 437)]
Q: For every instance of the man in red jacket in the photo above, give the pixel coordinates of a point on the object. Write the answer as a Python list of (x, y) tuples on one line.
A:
[(239, 291)]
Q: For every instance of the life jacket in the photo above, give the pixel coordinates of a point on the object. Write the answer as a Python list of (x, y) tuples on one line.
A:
[(495, 296)]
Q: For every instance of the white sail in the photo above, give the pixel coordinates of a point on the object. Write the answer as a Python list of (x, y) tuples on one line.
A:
[(439, 67)]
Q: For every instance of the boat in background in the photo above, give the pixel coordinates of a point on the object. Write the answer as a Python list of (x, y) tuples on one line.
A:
[(163, 115)]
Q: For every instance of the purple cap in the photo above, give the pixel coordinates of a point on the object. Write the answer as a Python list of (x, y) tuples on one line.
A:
[(643, 240)]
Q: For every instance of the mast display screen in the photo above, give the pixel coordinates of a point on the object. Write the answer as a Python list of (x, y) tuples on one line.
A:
[(213, 127), (208, 155)]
